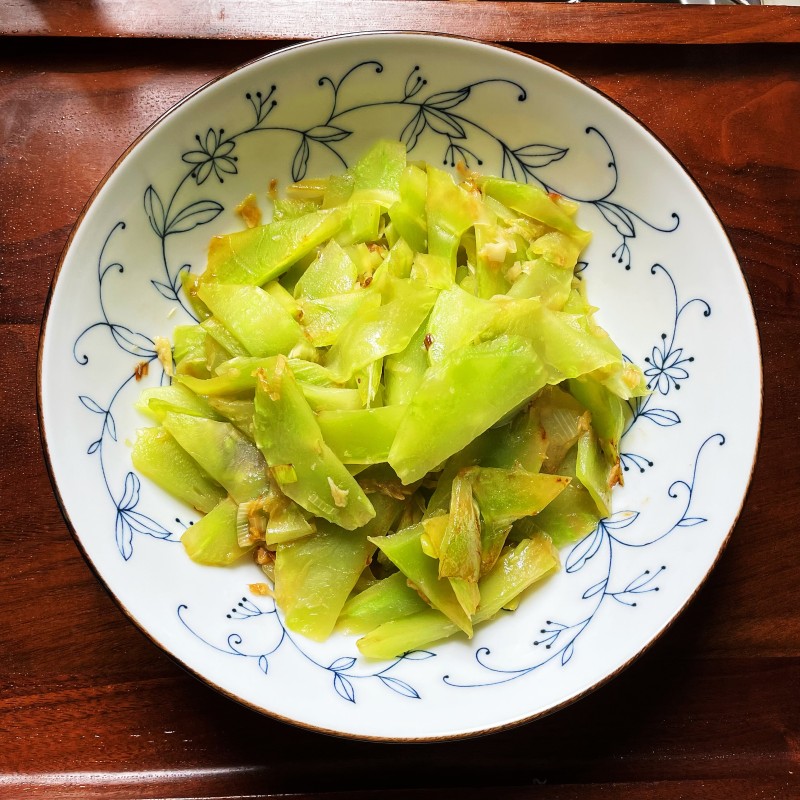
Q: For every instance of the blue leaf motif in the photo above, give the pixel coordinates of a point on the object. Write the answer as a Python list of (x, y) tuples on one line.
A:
[(154, 209), (141, 523), (341, 664), (343, 687), (91, 404), (165, 291), (585, 550), (300, 160), (620, 520), (401, 687), (444, 100), (617, 217), (130, 493), (689, 522), (664, 417), (536, 156), (110, 426), (411, 133), (327, 133), (93, 447), (123, 535), (418, 655), (263, 664), (510, 164), (199, 213), (567, 653), (137, 344), (444, 123), (596, 589)]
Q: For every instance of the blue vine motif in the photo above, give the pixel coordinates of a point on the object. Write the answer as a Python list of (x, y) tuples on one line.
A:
[(128, 520), (437, 115), (441, 118), (343, 670), (612, 535), (666, 371)]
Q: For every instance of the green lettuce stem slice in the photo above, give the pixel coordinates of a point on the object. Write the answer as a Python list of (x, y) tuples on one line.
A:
[(460, 548), (405, 551), (381, 331), (257, 320), (517, 569), (212, 540), (287, 433), (257, 255), (363, 436), (223, 451), (315, 575), (535, 203), (159, 457), (390, 598), (460, 398)]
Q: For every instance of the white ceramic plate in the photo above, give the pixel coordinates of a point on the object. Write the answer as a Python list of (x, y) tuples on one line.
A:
[(660, 268)]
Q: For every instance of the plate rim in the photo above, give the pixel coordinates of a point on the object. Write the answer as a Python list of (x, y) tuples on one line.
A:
[(459, 735)]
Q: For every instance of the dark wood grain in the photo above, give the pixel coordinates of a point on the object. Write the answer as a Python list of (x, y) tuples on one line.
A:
[(89, 708), (498, 21)]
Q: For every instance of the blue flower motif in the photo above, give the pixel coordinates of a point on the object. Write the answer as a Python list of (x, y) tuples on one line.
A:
[(665, 371), (214, 155)]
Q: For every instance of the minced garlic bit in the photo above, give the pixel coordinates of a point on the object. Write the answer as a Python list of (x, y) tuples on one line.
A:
[(249, 211), (261, 589), (164, 353), (631, 375), (497, 250), (339, 495), (469, 177), (514, 271), (141, 369), (615, 476), (263, 556)]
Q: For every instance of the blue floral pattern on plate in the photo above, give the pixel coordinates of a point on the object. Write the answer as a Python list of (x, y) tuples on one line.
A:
[(144, 251), (215, 156)]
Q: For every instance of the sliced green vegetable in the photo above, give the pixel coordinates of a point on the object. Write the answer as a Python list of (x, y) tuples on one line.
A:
[(533, 202), (460, 398), (390, 598), (258, 321), (595, 472), (381, 331), (315, 575), (257, 255), (159, 457), (450, 212), (324, 319), (331, 272), (460, 548), (363, 436), (405, 551), (212, 540), (287, 433), (406, 634), (157, 401), (403, 372), (217, 332), (223, 451)]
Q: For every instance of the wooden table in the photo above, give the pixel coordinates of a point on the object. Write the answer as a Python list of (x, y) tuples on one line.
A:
[(90, 708)]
